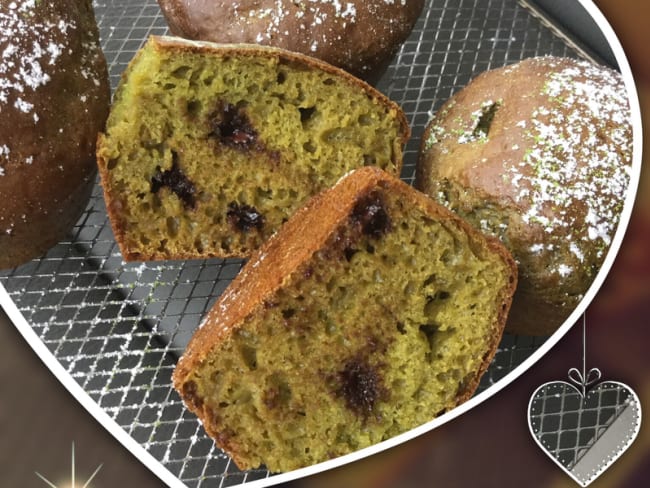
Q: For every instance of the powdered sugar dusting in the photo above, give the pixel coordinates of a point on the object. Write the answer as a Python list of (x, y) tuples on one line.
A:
[(281, 10), (569, 173), (25, 58), (4, 156), (42, 47), (580, 155), (313, 26)]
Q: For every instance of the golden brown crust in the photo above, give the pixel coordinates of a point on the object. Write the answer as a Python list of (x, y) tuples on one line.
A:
[(548, 177), (300, 237), (113, 205), (359, 36), (49, 122)]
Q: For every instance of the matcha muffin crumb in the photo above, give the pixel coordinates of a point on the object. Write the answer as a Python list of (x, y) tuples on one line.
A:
[(370, 312), (210, 148)]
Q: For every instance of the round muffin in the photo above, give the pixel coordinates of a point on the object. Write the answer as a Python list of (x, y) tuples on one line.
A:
[(359, 36), (54, 98), (539, 154)]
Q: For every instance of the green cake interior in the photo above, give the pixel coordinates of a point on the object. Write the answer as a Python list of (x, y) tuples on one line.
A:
[(207, 154), (380, 332)]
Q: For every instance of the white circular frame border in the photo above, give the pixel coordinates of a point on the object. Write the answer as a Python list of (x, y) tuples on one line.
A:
[(173, 482)]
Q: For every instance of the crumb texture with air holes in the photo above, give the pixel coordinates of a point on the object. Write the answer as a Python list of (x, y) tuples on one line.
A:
[(208, 150), (383, 318)]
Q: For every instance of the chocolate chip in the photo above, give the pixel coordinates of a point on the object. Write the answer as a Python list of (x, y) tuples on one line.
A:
[(370, 214), (360, 385), (177, 182), (349, 252), (191, 395), (288, 313), (232, 127), (244, 217)]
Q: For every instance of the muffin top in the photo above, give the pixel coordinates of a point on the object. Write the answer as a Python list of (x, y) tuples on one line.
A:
[(539, 154), (358, 36)]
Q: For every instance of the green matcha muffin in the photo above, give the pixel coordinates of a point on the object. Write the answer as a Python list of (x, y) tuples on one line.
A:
[(539, 154), (370, 312), (210, 148)]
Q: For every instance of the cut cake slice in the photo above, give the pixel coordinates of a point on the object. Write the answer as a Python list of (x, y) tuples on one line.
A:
[(370, 312), (210, 148)]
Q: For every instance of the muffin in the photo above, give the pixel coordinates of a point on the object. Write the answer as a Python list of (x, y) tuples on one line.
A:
[(370, 312), (54, 98), (360, 37), (210, 148), (538, 154)]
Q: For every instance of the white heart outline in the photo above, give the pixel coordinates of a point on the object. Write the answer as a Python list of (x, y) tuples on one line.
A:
[(172, 481), (612, 459)]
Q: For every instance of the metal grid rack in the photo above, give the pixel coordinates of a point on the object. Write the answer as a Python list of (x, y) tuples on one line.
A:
[(568, 425), (118, 328)]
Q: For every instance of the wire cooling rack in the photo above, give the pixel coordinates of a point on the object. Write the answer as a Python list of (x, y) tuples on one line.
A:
[(118, 328)]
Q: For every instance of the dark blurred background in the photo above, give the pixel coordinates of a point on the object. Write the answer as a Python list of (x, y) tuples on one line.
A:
[(490, 446)]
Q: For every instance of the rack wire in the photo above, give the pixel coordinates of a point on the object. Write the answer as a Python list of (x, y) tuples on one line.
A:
[(118, 327)]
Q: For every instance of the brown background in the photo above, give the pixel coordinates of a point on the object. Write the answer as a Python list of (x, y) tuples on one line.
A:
[(489, 446)]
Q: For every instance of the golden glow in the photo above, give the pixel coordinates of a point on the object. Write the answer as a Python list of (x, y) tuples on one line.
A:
[(70, 483)]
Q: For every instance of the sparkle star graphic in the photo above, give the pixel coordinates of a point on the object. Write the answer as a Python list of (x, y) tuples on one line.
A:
[(72, 483)]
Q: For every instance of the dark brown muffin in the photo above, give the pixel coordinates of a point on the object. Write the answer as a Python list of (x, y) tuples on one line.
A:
[(360, 37), (54, 97), (538, 154)]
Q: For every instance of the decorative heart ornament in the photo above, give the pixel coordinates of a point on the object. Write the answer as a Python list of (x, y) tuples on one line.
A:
[(584, 427)]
